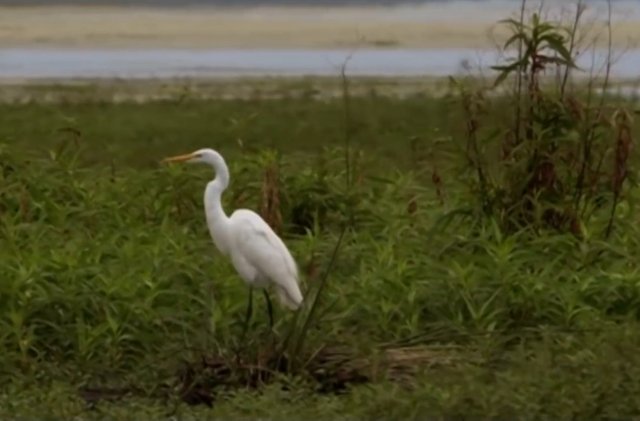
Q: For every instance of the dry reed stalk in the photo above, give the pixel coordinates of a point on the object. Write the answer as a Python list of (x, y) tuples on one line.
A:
[(623, 146), (270, 198), (622, 121)]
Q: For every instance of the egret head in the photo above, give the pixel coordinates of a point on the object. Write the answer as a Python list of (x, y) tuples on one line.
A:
[(209, 157), (206, 155)]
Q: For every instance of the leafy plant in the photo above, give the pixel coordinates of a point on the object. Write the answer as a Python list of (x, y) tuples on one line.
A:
[(555, 143)]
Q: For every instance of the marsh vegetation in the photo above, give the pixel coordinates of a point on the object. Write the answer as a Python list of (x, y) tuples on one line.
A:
[(465, 256)]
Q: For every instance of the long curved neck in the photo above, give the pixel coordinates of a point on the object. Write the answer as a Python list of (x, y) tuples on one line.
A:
[(213, 192), (217, 219)]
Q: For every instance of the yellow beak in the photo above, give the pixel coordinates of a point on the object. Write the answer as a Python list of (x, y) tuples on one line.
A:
[(178, 158)]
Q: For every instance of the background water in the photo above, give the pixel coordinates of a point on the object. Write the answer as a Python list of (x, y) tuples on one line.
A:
[(34, 63), (163, 63)]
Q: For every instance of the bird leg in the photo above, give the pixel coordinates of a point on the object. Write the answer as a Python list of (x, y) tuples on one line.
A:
[(248, 316), (269, 308)]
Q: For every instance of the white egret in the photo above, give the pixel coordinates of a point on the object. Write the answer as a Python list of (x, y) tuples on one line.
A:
[(257, 253)]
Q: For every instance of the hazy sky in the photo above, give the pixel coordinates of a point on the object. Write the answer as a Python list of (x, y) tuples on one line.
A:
[(209, 2), (266, 2)]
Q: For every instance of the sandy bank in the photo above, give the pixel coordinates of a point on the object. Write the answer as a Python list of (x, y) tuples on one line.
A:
[(429, 27)]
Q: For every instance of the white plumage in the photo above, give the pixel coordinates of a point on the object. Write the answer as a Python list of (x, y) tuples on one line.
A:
[(256, 252), (260, 256)]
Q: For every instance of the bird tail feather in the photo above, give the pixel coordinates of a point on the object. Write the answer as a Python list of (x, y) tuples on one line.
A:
[(290, 297)]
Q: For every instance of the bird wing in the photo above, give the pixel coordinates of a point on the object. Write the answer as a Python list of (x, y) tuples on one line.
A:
[(266, 252)]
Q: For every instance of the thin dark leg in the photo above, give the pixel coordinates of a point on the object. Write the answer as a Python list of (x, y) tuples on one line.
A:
[(269, 308), (249, 312)]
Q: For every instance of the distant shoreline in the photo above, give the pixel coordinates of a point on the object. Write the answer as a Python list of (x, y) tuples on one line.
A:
[(440, 25)]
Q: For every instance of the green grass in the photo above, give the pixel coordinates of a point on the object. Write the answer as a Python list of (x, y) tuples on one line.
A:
[(109, 277), (384, 125)]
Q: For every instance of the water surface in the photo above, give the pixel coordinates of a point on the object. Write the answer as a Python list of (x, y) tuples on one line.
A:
[(29, 63)]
